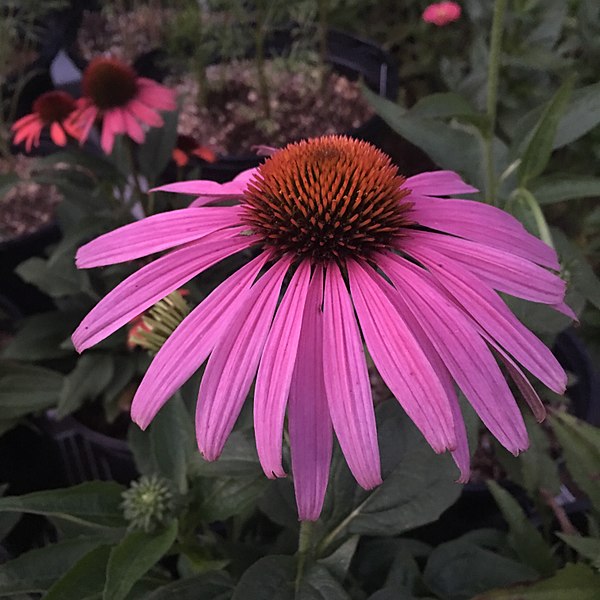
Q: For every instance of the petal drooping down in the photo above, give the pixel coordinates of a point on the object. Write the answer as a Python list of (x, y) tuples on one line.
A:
[(346, 250)]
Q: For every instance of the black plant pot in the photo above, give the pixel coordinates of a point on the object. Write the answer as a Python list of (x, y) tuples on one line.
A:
[(87, 455), (353, 57)]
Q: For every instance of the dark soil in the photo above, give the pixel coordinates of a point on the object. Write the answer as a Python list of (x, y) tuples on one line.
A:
[(28, 205)]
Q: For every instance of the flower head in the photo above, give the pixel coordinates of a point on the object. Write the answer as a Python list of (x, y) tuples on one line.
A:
[(114, 93), (442, 13), (348, 253), (186, 147), (148, 503), (51, 109)]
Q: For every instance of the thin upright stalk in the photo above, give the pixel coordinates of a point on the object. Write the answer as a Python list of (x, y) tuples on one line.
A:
[(305, 548), (492, 97)]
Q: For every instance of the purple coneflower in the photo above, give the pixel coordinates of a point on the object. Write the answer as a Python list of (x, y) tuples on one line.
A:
[(114, 93), (348, 254)]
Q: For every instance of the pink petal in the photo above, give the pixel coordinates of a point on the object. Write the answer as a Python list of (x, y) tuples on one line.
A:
[(110, 127), (29, 133), (347, 383), (153, 282), (191, 343), (487, 309), (502, 271), (401, 361), (57, 134), (275, 373), (311, 434), (132, 127), (233, 363), (155, 95), (566, 310), (154, 234), (464, 353), (438, 183), (482, 223), (205, 187), (26, 120), (145, 114)]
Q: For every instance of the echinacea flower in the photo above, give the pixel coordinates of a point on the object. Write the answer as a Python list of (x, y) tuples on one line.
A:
[(442, 13), (348, 253), (114, 93), (186, 147), (50, 109)]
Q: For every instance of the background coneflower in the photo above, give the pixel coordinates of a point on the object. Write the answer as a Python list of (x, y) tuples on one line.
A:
[(114, 93)]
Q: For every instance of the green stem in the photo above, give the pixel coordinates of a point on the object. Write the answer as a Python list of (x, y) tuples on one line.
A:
[(305, 548), (492, 97), (146, 200), (538, 215)]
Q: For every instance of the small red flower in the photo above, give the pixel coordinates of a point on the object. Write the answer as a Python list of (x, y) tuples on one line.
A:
[(114, 93), (187, 147), (51, 109), (442, 13)]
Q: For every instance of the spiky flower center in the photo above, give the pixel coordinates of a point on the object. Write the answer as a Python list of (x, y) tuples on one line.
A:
[(54, 106), (109, 83), (327, 198)]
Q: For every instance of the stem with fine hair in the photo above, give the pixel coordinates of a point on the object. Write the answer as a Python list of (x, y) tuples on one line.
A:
[(305, 549), (492, 97)]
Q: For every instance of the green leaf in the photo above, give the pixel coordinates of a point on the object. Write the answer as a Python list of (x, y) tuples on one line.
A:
[(319, 584), (574, 582), (580, 443), (155, 153), (558, 188), (523, 537), (85, 580), (270, 578), (577, 271), (437, 139), (56, 278), (582, 115), (418, 485), (40, 337), (206, 586), (37, 570), (134, 557), (443, 105), (27, 388), (95, 503), (225, 497), (173, 422), (338, 562), (87, 381), (537, 148), (588, 547), (458, 570)]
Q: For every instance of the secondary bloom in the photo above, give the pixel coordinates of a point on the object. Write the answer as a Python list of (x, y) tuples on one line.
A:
[(51, 110), (186, 147), (114, 93), (442, 13), (347, 252)]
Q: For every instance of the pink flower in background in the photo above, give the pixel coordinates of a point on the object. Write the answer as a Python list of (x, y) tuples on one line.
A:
[(442, 13), (123, 101), (51, 110), (347, 253)]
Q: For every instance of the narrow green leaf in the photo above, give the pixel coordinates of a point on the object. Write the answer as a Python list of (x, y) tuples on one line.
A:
[(87, 381), (447, 104), (582, 115), (134, 557), (56, 278), (574, 582), (558, 188), (270, 578), (27, 388), (580, 444), (216, 585), (537, 149), (458, 570), (95, 503), (523, 537), (85, 580), (588, 547), (37, 570)]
